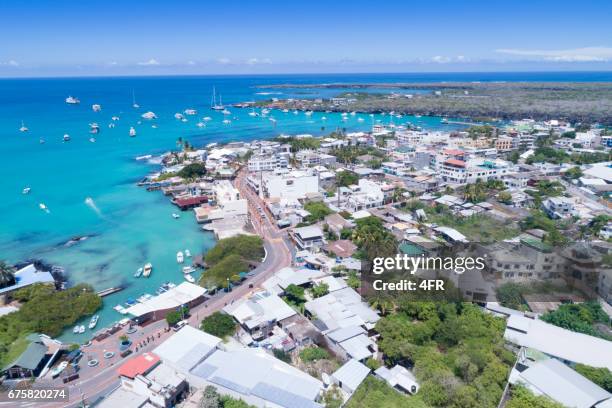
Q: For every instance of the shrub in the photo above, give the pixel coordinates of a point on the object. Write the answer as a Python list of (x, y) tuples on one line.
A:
[(219, 324)]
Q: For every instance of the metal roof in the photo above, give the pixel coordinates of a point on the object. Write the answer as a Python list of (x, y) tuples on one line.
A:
[(352, 373)]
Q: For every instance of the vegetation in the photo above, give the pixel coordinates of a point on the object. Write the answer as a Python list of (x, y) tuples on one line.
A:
[(44, 310), (7, 275), (176, 316), (475, 193), (212, 399), (310, 354), (300, 143), (219, 324), (294, 296), (521, 397), (353, 280), (504, 197), (478, 227), (375, 393), (319, 290), (580, 318), (600, 376), (318, 210), (373, 239), (229, 257), (457, 351), (282, 355), (574, 173), (346, 178), (349, 154), (538, 220), (332, 398), (192, 171)]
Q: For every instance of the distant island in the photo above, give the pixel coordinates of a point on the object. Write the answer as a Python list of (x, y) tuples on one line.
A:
[(573, 101)]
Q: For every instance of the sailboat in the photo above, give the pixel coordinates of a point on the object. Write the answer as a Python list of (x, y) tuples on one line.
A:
[(134, 104), (132, 131), (23, 127), (213, 103)]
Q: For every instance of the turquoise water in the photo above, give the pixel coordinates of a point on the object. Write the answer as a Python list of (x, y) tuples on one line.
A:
[(127, 226)]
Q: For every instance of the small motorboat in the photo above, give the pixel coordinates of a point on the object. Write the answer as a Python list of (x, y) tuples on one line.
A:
[(57, 370), (188, 269), (26, 190), (94, 128), (66, 137), (175, 216), (138, 273), (23, 127), (92, 139), (93, 321), (190, 112), (81, 329), (132, 131), (71, 100), (96, 107), (189, 278), (187, 253), (76, 329), (148, 268), (179, 257), (41, 141), (43, 207), (149, 115)]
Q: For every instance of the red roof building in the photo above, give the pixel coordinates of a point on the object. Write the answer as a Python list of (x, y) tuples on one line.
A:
[(190, 202), (453, 152), (455, 162), (139, 365)]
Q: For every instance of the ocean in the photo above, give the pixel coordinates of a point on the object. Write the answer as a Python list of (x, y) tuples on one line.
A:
[(90, 188)]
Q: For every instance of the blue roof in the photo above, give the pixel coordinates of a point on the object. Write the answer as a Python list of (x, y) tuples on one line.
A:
[(28, 275)]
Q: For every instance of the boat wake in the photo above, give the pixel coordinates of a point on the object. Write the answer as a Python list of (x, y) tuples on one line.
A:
[(91, 204)]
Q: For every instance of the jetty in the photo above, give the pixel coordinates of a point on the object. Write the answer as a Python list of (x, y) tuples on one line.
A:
[(109, 291)]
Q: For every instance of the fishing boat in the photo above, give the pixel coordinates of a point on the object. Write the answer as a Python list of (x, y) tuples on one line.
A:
[(175, 216), (132, 131), (148, 268), (134, 104), (71, 100), (96, 108), (66, 137), (213, 103), (93, 321), (188, 269), (187, 253), (26, 190), (179, 257), (189, 278), (138, 273), (23, 127)]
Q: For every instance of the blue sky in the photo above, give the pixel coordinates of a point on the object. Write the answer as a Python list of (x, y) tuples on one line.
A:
[(46, 38)]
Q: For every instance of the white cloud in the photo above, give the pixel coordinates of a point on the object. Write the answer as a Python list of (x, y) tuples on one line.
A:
[(150, 62), (9, 63), (191, 63), (440, 59), (586, 54), (255, 61), (223, 60)]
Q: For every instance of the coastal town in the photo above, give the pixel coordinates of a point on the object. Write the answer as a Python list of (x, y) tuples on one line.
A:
[(277, 313)]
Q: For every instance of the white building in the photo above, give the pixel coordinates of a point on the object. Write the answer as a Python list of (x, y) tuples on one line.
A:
[(350, 376), (399, 378), (457, 171), (308, 237), (558, 207), (295, 184), (267, 162)]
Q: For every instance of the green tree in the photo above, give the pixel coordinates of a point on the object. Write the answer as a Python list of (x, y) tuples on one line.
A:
[(219, 324), (504, 197), (573, 173), (192, 171), (332, 398), (173, 318), (7, 275), (521, 397), (600, 376), (320, 289), (315, 353), (346, 178), (318, 210)]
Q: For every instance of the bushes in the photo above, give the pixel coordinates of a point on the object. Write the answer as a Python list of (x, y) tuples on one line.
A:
[(219, 324), (310, 354), (193, 170), (318, 210), (600, 376), (579, 318), (44, 311), (521, 397), (230, 257), (375, 393)]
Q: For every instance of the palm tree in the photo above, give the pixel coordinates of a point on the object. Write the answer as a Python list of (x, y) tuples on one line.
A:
[(7, 275)]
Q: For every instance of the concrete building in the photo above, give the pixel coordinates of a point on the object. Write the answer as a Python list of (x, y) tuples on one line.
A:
[(399, 378), (558, 207), (296, 184), (267, 162), (350, 376), (308, 237)]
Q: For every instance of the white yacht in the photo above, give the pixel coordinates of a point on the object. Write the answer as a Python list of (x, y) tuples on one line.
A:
[(179, 257), (93, 321), (148, 268), (71, 100), (227, 121), (92, 139), (188, 269), (360, 119), (81, 329), (96, 107), (285, 110), (66, 137), (94, 128), (206, 118), (253, 114), (309, 113), (115, 118), (43, 207), (132, 131), (226, 112), (76, 329), (200, 124), (189, 278), (175, 216), (23, 127), (190, 112), (187, 253), (178, 116), (149, 115), (26, 190)]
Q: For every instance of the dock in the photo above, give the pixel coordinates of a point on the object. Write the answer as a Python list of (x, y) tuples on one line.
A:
[(109, 291)]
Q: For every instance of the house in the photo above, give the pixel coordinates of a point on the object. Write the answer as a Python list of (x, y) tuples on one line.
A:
[(568, 346), (295, 184), (398, 378), (352, 342), (350, 376), (259, 313), (558, 207), (337, 223), (258, 378), (560, 383), (308, 237), (187, 348), (29, 363)]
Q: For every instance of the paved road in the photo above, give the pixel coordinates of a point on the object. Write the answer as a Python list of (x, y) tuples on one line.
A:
[(96, 382)]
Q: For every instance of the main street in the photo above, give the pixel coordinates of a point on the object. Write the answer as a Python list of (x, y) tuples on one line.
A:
[(96, 382)]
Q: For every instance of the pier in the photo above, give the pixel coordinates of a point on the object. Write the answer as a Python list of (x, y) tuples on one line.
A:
[(109, 291)]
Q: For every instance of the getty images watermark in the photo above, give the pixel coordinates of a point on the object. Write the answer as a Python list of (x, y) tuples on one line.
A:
[(402, 264)]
